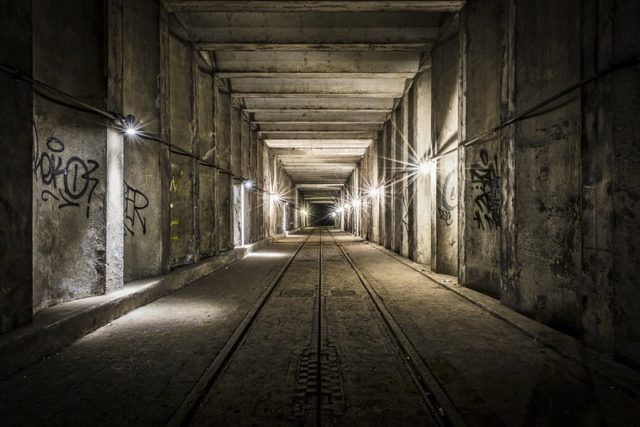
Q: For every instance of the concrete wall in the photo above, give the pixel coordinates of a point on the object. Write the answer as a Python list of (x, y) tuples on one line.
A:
[(547, 216), (181, 133), (547, 165), (389, 172), (207, 174), (444, 113), (557, 242), (625, 142), (69, 151), (422, 202), (480, 231), (143, 161), (279, 213), (223, 159), (105, 207), (16, 168)]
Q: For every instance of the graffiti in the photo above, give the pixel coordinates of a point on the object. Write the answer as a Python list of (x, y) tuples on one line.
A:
[(68, 183), (485, 186), (135, 201), (448, 198)]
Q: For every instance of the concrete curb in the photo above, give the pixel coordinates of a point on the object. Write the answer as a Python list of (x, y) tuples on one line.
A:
[(57, 327), (569, 347)]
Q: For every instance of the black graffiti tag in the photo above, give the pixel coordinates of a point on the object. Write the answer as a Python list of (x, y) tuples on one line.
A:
[(448, 198), (485, 185), (67, 182), (135, 201)]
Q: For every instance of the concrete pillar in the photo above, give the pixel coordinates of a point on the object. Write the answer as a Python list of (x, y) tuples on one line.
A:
[(422, 193), (382, 190), (480, 201), (206, 174), (245, 138), (445, 135), (296, 217), (146, 183), (183, 183), (223, 155), (618, 132), (115, 212), (255, 206), (16, 167), (547, 155), (406, 197), (397, 142), (389, 196), (70, 207)]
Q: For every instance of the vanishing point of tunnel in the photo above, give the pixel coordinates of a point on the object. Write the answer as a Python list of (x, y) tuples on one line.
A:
[(319, 213)]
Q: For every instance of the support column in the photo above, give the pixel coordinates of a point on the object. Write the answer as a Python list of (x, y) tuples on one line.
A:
[(115, 212), (114, 187), (16, 168)]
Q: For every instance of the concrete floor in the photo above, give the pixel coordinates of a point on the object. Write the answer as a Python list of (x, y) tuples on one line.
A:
[(200, 356)]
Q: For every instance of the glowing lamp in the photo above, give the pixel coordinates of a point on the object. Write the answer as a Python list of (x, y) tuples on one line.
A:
[(424, 168), (129, 125)]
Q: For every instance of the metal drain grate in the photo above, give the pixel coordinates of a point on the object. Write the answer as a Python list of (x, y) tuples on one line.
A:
[(304, 400), (297, 293), (343, 293)]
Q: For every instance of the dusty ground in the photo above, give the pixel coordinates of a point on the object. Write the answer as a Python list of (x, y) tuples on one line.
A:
[(139, 369)]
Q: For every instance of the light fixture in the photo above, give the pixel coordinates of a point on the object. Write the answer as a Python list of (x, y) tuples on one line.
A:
[(304, 212), (248, 184), (333, 214), (347, 206), (340, 210), (425, 167), (355, 203), (373, 192), (129, 125)]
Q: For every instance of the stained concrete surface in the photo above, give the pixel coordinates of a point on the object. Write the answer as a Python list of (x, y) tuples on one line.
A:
[(367, 383), (138, 369), (493, 372)]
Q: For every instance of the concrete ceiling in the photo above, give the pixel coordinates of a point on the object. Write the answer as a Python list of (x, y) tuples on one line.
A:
[(317, 78)]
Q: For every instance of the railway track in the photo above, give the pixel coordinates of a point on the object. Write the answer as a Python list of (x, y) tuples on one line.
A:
[(440, 406), (319, 394)]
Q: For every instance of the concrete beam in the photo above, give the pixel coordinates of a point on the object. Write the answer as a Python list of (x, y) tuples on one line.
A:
[(319, 151), (344, 95), (317, 134), (313, 6), (319, 126), (317, 122), (320, 116), (320, 103), (310, 144), (392, 87), (310, 75), (306, 47), (317, 110)]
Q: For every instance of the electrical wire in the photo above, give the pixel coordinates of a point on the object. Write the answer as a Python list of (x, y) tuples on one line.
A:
[(53, 94), (627, 62), (17, 74)]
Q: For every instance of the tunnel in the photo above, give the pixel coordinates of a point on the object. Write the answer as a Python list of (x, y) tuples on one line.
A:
[(319, 213)]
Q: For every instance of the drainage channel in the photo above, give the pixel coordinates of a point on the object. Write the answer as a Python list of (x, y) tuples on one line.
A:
[(440, 406)]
